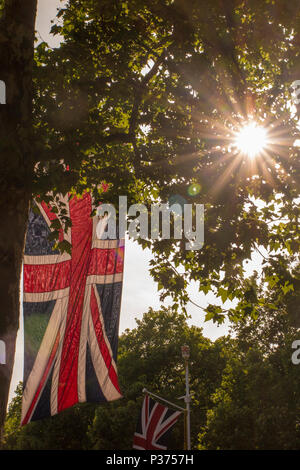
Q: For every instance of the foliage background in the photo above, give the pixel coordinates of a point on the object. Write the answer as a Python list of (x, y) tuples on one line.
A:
[(245, 390)]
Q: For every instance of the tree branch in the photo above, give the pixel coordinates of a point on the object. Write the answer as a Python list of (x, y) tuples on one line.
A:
[(141, 89)]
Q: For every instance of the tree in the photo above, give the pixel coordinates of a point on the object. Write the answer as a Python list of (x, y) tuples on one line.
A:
[(17, 20), (150, 97), (149, 356), (65, 431), (257, 404), (245, 389)]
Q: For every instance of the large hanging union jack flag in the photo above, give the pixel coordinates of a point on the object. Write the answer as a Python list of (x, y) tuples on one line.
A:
[(154, 425), (71, 310)]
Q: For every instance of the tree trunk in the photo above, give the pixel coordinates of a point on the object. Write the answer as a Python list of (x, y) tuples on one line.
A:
[(16, 157)]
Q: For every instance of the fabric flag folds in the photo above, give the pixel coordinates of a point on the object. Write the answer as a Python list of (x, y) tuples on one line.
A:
[(71, 306), (154, 425)]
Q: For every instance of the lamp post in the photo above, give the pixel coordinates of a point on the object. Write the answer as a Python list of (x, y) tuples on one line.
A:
[(185, 351)]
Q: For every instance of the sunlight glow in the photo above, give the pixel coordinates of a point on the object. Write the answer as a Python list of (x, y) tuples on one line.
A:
[(251, 140)]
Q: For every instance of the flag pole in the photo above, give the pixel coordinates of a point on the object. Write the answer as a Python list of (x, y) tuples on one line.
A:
[(185, 350), (163, 399), (185, 430)]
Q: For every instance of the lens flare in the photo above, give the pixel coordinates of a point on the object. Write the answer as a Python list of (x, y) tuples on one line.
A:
[(194, 189)]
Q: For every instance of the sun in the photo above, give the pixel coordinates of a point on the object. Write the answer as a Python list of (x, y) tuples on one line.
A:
[(251, 140)]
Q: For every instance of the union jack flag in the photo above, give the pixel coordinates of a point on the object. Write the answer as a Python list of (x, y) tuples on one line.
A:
[(71, 306), (154, 425)]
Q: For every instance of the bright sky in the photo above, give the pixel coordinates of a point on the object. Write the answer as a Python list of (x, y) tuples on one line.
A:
[(139, 290)]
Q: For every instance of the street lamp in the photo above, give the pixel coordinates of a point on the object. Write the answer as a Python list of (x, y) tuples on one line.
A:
[(185, 351)]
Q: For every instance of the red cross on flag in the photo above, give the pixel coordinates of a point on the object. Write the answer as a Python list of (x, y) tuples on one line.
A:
[(71, 306)]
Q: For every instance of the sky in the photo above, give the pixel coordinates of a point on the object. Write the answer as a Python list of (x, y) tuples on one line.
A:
[(139, 290)]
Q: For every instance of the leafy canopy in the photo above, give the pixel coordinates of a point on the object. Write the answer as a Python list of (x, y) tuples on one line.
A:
[(149, 356)]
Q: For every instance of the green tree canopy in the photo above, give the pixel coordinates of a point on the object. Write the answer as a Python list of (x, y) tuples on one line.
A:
[(245, 389), (149, 356), (257, 405)]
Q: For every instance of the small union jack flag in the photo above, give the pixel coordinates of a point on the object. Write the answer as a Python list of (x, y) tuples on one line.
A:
[(154, 425), (71, 306)]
